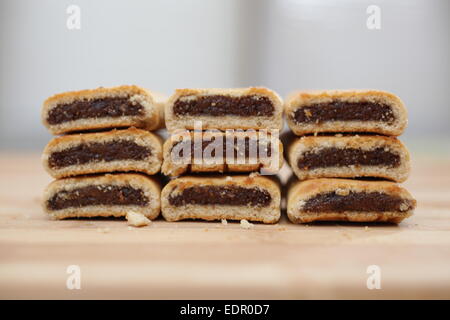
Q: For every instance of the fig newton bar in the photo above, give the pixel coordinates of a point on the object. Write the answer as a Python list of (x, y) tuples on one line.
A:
[(102, 152), (218, 197), (346, 111), (102, 196), (221, 109), (249, 158), (350, 156), (102, 108), (348, 200)]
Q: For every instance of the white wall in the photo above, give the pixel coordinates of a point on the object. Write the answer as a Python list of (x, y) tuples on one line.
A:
[(165, 44), (326, 44), (157, 44)]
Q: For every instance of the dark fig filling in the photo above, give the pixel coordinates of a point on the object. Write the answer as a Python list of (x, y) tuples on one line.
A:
[(344, 111), (218, 105), (98, 151), (357, 201), (222, 195), (239, 149), (331, 157), (97, 195), (95, 108)]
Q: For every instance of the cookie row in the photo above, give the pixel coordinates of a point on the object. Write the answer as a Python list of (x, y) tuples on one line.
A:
[(250, 108), (253, 198), (142, 151)]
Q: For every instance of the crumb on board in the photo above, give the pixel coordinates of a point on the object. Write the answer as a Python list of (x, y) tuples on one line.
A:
[(137, 219), (224, 222), (246, 225), (366, 228), (346, 235), (103, 230)]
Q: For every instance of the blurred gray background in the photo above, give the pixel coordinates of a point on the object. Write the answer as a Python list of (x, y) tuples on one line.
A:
[(167, 44)]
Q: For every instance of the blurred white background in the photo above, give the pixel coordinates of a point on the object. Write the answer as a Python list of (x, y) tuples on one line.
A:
[(167, 44)]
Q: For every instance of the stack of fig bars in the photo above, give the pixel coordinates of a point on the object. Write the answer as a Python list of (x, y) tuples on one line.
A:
[(105, 155), (221, 137), (347, 158)]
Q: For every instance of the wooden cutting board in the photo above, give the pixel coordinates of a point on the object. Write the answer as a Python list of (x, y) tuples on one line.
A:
[(189, 260)]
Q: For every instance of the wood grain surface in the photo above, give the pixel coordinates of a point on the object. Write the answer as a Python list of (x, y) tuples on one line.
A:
[(190, 260)]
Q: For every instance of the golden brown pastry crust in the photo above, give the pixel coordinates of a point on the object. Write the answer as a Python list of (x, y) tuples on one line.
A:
[(300, 191), (304, 98), (151, 120), (151, 165), (310, 143), (149, 185), (270, 214), (174, 122)]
